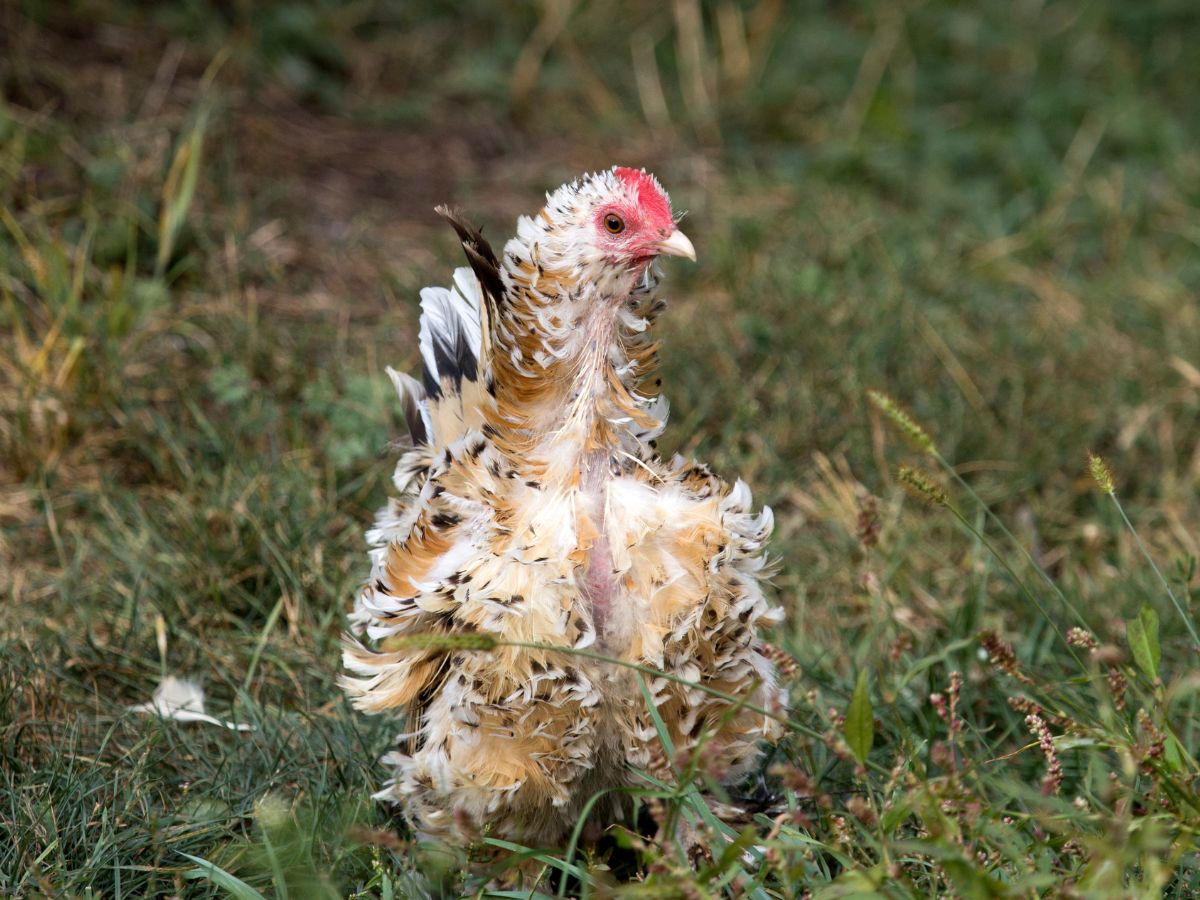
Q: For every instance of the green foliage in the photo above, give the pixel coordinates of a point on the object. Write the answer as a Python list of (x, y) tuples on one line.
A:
[(860, 720), (1142, 633), (943, 247), (218, 876)]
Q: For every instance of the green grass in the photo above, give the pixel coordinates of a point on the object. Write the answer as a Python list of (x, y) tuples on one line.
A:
[(213, 223)]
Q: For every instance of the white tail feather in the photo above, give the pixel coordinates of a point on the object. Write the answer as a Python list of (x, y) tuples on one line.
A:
[(450, 320)]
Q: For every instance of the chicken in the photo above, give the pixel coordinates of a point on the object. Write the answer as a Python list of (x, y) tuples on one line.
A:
[(534, 509)]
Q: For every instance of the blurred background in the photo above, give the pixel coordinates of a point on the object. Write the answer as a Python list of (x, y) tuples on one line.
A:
[(214, 221)]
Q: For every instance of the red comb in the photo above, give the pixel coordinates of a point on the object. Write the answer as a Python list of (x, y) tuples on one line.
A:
[(650, 196)]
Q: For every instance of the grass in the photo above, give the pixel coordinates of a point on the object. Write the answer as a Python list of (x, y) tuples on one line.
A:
[(213, 223)]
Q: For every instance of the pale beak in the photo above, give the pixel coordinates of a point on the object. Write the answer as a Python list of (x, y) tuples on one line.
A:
[(677, 245)]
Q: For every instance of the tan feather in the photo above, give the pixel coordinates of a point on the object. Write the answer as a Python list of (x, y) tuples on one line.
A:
[(541, 514)]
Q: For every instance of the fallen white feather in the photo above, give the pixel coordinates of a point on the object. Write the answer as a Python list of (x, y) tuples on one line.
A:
[(182, 699)]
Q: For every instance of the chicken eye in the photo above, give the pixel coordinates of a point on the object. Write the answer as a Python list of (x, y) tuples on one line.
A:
[(614, 223)]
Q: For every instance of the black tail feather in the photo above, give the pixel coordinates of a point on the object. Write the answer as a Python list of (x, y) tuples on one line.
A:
[(480, 254)]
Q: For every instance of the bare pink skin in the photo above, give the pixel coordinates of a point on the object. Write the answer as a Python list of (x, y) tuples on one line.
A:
[(598, 587), (648, 220)]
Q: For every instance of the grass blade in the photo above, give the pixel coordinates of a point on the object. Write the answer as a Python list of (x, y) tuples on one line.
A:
[(218, 876)]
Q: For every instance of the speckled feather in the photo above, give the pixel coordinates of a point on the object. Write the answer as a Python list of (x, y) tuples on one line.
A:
[(534, 508)]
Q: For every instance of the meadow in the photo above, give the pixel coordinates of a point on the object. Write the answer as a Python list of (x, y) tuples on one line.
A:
[(946, 251)]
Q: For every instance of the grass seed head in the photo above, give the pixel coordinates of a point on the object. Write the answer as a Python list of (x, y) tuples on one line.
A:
[(908, 426), (922, 486), (1101, 473)]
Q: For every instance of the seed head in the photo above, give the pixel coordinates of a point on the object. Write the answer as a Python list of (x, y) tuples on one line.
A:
[(902, 643), (1024, 705), (921, 486), (1118, 686), (1054, 772), (1081, 637), (1001, 655), (868, 522), (1101, 473), (1153, 744), (908, 426), (794, 779), (785, 664)]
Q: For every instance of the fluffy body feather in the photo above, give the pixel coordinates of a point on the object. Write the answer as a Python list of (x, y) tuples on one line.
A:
[(534, 508)]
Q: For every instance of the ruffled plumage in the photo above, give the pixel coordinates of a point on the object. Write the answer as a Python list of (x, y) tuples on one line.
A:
[(534, 508)]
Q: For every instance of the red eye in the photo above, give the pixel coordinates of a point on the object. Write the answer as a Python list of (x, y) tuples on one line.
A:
[(614, 223)]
